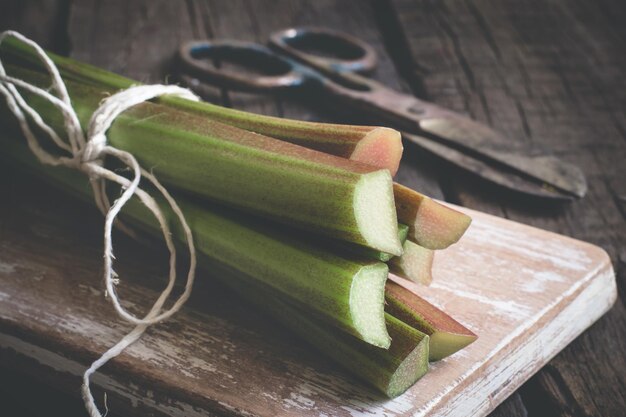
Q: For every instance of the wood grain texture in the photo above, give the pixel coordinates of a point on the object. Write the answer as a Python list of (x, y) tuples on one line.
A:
[(43, 20), (545, 72), (560, 63), (526, 292), (549, 72)]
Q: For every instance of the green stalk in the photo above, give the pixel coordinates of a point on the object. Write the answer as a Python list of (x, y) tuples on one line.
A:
[(447, 335), (432, 225), (378, 146), (392, 371), (272, 178), (415, 264), (345, 293)]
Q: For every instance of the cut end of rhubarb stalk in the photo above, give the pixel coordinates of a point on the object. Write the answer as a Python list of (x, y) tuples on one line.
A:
[(447, 335), (444, 344), (437, 226), (432, 225), (375, 212), (403, 232), (413, 347), (415, 264), (410, 370), (367, 304), (382, 147)]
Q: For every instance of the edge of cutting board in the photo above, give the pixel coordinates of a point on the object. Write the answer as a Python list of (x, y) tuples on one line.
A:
[(217, 358)]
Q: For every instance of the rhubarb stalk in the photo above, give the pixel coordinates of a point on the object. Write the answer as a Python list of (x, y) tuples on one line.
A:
[(291, 184), (432, 225), (345, 293), (377, 146), (447, 335), (392, 371), (415, 264)]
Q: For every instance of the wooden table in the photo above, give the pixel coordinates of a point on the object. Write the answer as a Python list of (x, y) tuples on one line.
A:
[(546, 71)]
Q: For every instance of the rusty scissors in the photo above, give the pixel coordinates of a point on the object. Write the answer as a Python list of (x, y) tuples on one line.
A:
[(293, 61)]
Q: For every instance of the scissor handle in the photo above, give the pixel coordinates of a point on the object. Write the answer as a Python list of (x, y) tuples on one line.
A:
[(304, 44), (276, 72)]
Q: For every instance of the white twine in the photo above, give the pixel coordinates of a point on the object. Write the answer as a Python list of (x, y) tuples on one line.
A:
[(87, 154)]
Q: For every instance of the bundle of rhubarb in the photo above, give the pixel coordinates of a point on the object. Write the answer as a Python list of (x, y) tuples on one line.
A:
[(302, 219)]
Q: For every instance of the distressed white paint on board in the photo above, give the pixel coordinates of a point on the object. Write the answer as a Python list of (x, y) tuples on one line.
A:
[(134, 394), (525, 292), (6, 268)]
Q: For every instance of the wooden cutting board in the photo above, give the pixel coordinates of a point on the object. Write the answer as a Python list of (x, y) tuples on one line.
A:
[(526, 292)]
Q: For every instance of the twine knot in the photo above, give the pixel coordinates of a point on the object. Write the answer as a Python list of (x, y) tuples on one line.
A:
[(87, 155), (94, 148)]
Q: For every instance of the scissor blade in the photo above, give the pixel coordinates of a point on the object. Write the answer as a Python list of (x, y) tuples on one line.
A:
[(553, 171), (487, 171), (483, 141)]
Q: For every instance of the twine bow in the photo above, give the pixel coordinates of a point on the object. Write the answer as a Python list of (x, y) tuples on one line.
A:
[(86, 154)]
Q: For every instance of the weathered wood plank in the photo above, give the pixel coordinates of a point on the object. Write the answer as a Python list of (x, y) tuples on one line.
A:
[(551, 73), (511, 407), (499, 63), (540, 89), (137, 41), (567, 386), (530, 302), (42, 20)]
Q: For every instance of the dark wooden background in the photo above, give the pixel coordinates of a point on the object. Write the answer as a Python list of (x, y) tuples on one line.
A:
[(551, 72)]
